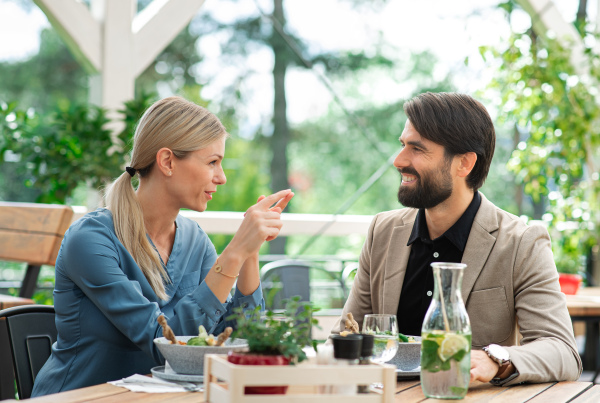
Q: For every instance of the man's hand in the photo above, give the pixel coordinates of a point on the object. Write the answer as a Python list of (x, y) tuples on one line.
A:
[(483, 368)]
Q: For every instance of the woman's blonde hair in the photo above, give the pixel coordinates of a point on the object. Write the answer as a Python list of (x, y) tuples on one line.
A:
[(181, 126)]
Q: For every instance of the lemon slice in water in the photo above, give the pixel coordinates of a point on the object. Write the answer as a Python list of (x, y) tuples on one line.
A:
[(452, 344)]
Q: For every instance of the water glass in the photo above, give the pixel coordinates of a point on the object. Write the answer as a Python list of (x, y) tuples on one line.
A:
[(385, 329)]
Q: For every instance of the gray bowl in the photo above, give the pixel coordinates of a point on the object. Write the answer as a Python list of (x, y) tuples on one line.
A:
[(408, 356), (190, 359)]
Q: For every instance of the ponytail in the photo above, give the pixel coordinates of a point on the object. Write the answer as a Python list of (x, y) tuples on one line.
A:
[(131, 231)]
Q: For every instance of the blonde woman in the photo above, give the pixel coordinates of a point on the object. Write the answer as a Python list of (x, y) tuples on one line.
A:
[(121, 267)]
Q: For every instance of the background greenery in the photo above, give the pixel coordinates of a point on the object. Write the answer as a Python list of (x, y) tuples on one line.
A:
[(53, 144), (554, 114)]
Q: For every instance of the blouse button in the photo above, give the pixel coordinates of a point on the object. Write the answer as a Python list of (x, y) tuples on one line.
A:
[(245, 305), (217, 312), (435, 254), (429, 293)]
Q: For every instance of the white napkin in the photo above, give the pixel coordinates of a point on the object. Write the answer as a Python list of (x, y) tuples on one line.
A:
[(141, 383)]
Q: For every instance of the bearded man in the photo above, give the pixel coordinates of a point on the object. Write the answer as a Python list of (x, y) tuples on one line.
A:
[(448, 144)]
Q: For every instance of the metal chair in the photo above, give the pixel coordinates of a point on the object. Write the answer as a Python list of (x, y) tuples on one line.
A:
[(29, 332), (283, 279)]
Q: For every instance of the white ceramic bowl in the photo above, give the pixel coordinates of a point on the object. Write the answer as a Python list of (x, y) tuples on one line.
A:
[(190, 359), (408, 356)]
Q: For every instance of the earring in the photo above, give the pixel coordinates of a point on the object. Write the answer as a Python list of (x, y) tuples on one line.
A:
[(170, 173)]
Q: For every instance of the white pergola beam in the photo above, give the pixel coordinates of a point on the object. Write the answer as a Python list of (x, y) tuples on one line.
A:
[(118, 77), (155, 27), (546, 17), (80, 31)]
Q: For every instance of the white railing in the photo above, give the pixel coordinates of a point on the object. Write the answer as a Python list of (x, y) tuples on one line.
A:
[(225, 222)]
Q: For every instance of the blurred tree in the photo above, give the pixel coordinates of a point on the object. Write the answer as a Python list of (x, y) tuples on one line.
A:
[(260, 31), (46, 79)]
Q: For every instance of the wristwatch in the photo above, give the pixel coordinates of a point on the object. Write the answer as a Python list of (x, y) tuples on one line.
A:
[(501, 356), (498, 354)]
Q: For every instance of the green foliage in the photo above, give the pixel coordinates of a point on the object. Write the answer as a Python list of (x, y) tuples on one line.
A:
[(270, 333), (58, 151), (557, 116)]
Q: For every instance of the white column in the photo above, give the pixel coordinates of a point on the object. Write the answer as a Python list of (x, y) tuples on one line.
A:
[(116, 83)]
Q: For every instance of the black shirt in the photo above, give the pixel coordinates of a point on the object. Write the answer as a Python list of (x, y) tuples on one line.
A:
[(417, 288)]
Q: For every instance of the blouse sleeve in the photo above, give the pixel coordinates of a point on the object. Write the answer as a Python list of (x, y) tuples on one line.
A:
[(204, 299), (90, 258)]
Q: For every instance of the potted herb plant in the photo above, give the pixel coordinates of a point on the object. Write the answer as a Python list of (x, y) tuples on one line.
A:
[(274, 338)]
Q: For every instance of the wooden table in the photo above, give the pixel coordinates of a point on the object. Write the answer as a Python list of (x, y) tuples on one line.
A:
[(7, 377), (585, 307), (7, 301), (406, 391)]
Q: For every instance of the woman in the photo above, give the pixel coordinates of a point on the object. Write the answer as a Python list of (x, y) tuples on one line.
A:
[(121, 267)]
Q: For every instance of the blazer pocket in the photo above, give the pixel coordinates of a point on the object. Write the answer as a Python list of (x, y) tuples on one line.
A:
[(188, 283), (489, 315)]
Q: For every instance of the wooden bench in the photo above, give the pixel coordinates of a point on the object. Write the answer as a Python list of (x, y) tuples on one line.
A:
[(32, 233)]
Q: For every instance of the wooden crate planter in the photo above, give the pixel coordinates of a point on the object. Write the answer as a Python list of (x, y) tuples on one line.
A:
[(224, 382)]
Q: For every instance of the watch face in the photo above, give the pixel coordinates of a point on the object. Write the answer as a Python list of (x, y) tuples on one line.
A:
[(499, 352)]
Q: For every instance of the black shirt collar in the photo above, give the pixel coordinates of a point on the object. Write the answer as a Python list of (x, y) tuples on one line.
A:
[(457, 234)]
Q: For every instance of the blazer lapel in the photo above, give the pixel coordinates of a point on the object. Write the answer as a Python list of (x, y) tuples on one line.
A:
[(479, 245), (395, 265)]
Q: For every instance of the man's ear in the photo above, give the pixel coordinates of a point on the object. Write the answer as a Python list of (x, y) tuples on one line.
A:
[(165, 161), (466, 163)]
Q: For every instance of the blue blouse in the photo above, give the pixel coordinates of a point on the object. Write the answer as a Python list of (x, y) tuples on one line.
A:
[(106, 310)]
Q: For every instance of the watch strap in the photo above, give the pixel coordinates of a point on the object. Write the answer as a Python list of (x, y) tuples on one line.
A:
[(500, 382)]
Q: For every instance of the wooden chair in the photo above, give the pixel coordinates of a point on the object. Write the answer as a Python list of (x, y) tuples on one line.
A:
[(32, 233)]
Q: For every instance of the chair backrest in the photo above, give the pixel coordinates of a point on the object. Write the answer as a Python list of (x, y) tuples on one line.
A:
[(283, 279), (31, 332), (32, 233)]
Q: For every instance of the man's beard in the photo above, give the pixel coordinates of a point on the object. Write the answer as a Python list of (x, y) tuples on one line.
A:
[(431, 189)]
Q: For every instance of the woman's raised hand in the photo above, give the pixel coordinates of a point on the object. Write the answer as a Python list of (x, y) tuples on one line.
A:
[(261, 222)]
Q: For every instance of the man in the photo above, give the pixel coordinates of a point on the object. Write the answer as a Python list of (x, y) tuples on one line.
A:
[(448, 144)]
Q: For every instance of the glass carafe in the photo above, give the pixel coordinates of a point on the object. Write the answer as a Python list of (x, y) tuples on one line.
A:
[(446, 336)]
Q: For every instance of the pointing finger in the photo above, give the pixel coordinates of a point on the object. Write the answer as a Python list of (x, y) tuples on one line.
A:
[(282, 203), (268, 201)]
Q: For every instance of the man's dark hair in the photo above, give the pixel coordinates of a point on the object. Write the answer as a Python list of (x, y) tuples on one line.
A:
[(460, 124)]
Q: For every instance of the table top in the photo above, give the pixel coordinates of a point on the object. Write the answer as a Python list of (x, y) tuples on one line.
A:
[(406, 391), (585, 303), (7, 301)]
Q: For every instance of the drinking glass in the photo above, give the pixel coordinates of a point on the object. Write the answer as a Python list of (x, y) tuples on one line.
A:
[(385, 329)]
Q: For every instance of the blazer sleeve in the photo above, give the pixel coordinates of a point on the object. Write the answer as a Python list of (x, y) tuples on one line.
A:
[(359, 300), (547, 351)]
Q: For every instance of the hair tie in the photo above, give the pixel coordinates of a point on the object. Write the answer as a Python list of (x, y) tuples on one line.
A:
[(130, 171)]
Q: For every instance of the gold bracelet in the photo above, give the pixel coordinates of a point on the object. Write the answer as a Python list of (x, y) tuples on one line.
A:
[(219, 270)]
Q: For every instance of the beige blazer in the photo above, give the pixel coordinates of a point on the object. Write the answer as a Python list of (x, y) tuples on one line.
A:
[(510, 279)]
